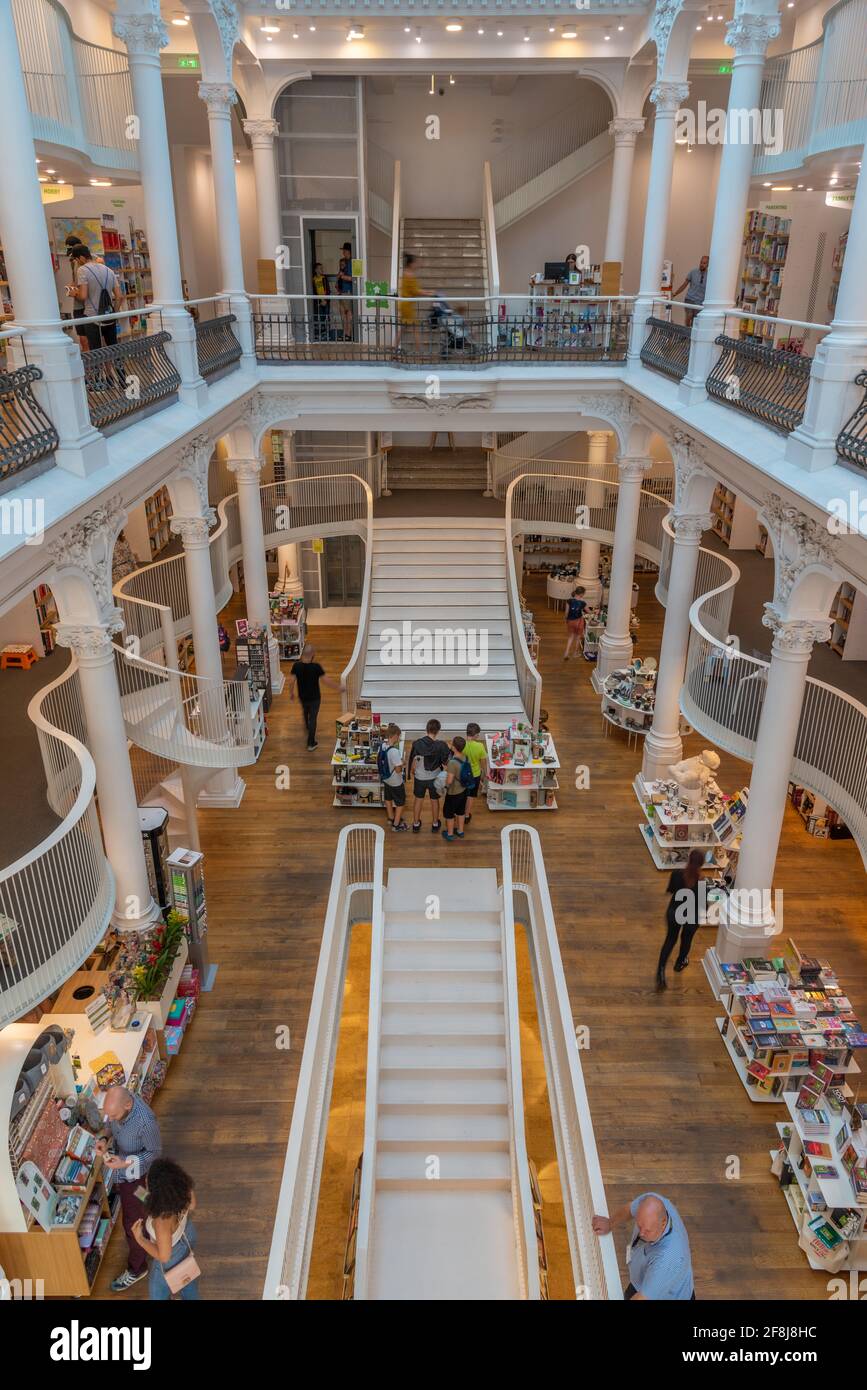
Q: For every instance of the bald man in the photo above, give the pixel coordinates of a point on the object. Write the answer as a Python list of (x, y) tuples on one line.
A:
[(658, 1256), (136, 1142)]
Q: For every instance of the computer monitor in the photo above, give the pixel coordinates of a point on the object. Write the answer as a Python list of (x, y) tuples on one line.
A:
[(555, 270)]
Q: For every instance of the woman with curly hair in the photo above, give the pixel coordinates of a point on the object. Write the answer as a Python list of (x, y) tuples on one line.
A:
[(167, 1233)]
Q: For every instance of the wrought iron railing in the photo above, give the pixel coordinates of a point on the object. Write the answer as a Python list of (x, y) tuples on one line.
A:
[(496, 329), (26, 433), (217, 347), (666, 347), (132, 376), (852, 439), (769, 383)]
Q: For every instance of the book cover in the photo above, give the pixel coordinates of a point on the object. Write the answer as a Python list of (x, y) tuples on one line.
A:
[(816, 1149)]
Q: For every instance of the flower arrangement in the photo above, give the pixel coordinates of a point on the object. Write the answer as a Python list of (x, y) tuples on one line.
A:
[(146, 961)]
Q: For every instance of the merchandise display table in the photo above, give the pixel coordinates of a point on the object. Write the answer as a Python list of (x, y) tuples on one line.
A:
[(559, 590), (628, 699), (820, 1191), (354, 771), (517, 780), (672, 828)]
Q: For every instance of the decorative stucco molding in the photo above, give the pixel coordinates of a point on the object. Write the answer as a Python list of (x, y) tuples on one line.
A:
[(143, 34), (795, 636), (799, 542), (87, 548), (750, 34)]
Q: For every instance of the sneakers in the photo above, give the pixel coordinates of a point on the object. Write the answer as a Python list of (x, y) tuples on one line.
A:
[(435, 827), (126, 1280), (403, 826), (416, 827), (459, 834), (681, 964), (447, 836), (311, 746)]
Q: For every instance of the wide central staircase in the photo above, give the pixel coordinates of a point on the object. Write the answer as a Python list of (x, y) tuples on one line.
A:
[(446, 573), (453, 259)]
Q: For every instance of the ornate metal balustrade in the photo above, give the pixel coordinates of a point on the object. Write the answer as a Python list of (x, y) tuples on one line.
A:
[(852, 439), (131, 377), (769, 383), (666, 347), (216, 345), (26, 433)]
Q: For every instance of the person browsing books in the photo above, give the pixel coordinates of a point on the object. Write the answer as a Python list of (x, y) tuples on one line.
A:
[(167, 1233), (658, 1258), (428, 756), (459, 777), (393, 785), (682, 914), (135, 1137)]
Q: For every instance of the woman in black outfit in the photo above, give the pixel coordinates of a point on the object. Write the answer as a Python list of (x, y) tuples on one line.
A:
[(682, 914)]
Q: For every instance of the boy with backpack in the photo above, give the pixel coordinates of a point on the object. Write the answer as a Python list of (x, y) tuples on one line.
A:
[(390, 765), (428, 757), (459, 779)]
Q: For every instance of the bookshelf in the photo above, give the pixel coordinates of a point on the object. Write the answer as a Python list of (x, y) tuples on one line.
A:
[(251, 650), (826, 1206), (765, 249), (288, 624), (734, 520), (130, 260), (158, 512), (278, 456), (836, 272), (819, 818), (354, 767), (47, 615), (522, 771), (849, 619), (763, 540)]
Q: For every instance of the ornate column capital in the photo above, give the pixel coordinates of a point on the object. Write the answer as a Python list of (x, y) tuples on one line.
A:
[(193, 530), (795, 636), (664, 14), (225, 14), (689, 527), (626, 129), (85, 551), (599, 437), (89, 641), (143, 34), (246, 470), (750, 34), (194, 463), (633, 469), (800, 543), (667, 97), (261, 132), (219, 97)]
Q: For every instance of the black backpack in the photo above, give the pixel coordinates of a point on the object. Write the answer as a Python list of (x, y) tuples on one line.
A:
[(105, 303)]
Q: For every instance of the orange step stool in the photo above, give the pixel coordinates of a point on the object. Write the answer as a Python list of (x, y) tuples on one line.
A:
[(18, 655)]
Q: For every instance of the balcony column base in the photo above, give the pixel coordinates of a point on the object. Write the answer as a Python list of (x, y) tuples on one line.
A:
[(703, 352), (224, 791), (660, 751), (831, 398), (240, 306), (641, 312), (63, 396), (614, 653), (747, 926), (183, 352)]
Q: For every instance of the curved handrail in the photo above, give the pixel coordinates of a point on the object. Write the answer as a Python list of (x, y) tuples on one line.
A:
[(594, 1259), (723, 695), (58, 897)]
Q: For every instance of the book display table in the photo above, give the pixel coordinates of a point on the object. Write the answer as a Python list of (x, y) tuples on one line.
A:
[(522, 771), (671, 828), (354, 769), (821, 1165)]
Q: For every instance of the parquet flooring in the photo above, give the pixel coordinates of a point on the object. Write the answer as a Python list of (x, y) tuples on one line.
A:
[(668, 1109)]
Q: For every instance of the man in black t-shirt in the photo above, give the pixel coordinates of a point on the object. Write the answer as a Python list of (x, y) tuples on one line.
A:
[(308, 673)]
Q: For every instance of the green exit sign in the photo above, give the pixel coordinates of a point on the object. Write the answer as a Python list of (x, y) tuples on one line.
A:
[(191, 61), (725, 68)]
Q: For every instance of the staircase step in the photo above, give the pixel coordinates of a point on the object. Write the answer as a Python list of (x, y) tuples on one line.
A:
[(467, 1091), (450, 567), (443, 546), (407, 986), (401, 925), (434, 614), (469, 1166), (409, 1128), (442, 1058), (430, 954)]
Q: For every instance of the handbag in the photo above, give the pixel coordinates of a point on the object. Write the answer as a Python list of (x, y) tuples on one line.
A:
[(184, 1272)]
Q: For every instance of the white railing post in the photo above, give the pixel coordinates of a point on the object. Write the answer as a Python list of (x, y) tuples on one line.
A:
[(394, 282)]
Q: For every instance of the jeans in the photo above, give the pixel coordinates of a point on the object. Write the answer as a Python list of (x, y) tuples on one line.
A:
[(158, 1289), (686, 932), (310, 710)]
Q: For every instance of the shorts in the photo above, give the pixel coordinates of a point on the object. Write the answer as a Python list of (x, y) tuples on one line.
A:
[(455, 804), (395, 794), (473, 788), (575, 625), (424, 787)]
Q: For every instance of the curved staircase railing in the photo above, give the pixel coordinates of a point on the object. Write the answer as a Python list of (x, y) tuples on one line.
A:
[(723, 694), (57, 899)]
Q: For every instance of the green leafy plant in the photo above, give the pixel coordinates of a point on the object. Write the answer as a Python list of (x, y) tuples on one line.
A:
[(155, 963)]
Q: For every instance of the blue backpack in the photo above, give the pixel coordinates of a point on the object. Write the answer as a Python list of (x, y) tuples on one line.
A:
[(467, 778), (382, 766)]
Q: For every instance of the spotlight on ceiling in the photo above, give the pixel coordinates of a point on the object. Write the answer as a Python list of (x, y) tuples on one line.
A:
[(418, 35), (526, 35), (266, 27), (451, 80), (569, 31), (355, 31), (454, 26)]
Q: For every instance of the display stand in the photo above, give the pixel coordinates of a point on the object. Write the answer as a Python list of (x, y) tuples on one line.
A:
[(154, 824), (784, 1019), (628, 698), (522, 770), (354, 768), (288, 625), (531, 636), (188, 898), (671, 828), (251, 650)]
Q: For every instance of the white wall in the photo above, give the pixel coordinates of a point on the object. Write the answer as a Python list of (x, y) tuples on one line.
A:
[(576, 217), (122, 202), (195, 211), (21, 624), (810, 219)]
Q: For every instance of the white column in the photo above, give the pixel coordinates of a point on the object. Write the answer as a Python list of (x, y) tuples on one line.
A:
[(597, 457), (262, 134), (144, 36), (663, 745), (749, 36), (667, 98), (832, 394), (626, 130), (749, 919), (226, 788), (288, 559), (24, 236), (247, 473), (615, 644), (106, 738), (219, 98)]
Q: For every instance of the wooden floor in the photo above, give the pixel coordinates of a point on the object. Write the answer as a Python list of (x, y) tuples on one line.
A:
[(668, 1109)]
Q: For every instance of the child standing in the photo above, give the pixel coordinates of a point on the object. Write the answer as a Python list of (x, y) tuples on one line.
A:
[(477, 754), (458, 777), (391, 770), (574, 621)]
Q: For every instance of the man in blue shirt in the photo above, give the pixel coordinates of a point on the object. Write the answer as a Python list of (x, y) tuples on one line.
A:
[(135, 1138), (658, 1256)]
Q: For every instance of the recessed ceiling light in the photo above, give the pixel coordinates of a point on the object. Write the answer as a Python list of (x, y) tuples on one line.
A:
[(180, 20), (569, 31), (499, 33), (698, 28), (356, 31), (39, 161), (800, 185), (480, 31), (454, 26), (809, 190), (451, 80), (766, 185), (268, 38), (61, 180), (101, 183), (782, 188), (237, 159), (407, 28), (790, 5), (620, 28), (295, 33), (312, 28), (42, 178), (526, 35), (51, 171), (550, 28), (832, 182), (269, 28), (607, 38), (418, 35)]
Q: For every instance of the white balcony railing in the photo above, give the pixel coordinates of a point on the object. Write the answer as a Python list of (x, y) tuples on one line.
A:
[(56, 900), (79, 94)]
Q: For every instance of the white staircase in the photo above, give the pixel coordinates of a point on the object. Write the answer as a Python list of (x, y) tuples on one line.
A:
[(446, 573), (444, 1223), (453, 261)]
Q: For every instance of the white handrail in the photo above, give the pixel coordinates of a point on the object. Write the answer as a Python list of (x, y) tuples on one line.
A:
[(490, 226), (56, 900), (723, 696), (367, 1194), (358, 865), (529, 677), (394, 280), (594, 1259)]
